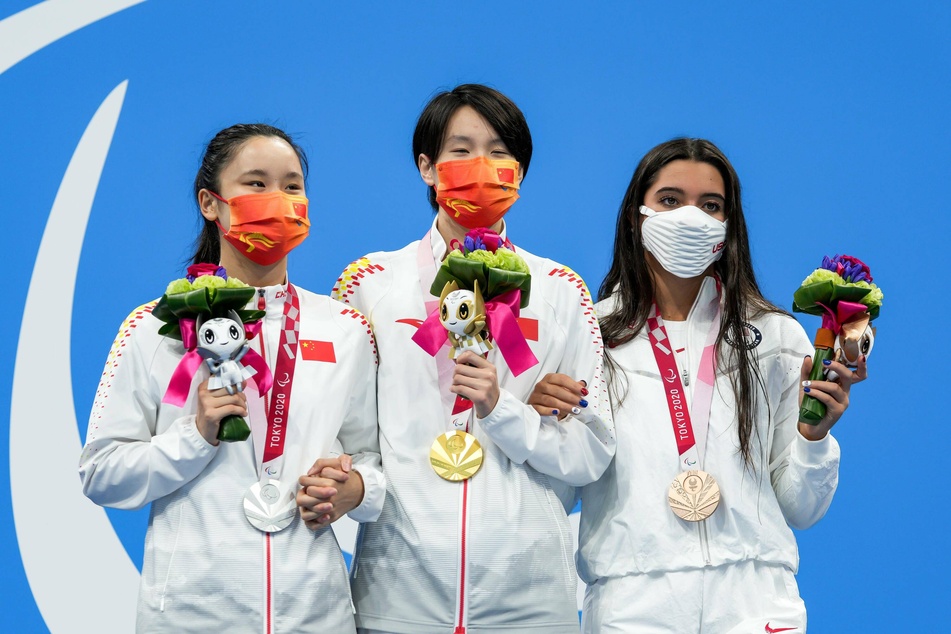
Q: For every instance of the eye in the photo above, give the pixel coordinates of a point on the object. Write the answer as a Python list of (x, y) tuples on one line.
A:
[(208, 335), (294, 187), (669, 201), (255, 184), (866, 344), (712, 207), (233, 331), (444, 313), (464, 311)]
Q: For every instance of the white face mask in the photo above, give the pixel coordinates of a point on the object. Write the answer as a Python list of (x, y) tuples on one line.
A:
[(685, 241)]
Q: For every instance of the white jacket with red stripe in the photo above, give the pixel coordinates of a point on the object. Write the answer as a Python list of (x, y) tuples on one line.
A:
[(517, 574), (206, 569)]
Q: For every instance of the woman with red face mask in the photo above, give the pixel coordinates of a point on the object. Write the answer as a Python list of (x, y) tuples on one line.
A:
[(492, 553), (690, 528), (228, 547)]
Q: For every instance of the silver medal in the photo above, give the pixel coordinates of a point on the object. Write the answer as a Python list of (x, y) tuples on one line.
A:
[(270, 506)]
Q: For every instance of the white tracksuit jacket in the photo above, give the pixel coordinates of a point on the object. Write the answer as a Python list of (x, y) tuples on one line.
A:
[(519, 574), (626, 525), (206, 569)]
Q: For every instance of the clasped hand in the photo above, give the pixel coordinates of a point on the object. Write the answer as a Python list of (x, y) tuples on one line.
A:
[(330, 489)]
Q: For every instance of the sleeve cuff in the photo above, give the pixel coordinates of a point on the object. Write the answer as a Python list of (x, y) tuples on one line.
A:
[(815, 452), (189, 432), (374, 492), (505, 425)]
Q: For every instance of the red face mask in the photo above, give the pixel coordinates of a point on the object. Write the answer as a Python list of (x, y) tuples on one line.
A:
[(266, 227), (477, 192)]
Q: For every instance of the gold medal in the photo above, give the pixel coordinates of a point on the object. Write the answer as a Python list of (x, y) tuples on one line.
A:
[(694, 495), (455, 455)]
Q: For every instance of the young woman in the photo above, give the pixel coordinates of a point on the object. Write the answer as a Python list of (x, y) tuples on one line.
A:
[(491, 553), (706, 381), (210, 566)]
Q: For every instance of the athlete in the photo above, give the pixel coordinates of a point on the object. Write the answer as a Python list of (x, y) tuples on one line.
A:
[(689, 530), (492, 553), (227, 549)]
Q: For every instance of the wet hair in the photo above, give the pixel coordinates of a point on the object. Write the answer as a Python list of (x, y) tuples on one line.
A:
[(219, 152), (629, 279), (500, 111)]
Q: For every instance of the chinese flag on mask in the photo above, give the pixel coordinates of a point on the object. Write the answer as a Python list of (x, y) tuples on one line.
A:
[(312, 350)]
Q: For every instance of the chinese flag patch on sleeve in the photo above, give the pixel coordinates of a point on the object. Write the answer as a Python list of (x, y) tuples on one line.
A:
[(313, 350)]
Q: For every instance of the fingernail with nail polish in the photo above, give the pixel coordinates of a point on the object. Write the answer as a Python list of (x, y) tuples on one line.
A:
[(583, 382), (806, 383), (806, 390), (575, 410), (583, 403), (826, 362), (584, 392), (554, 412)]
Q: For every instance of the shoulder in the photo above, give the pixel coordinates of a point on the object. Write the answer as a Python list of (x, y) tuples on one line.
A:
[(346, 321), (783, 335), (138, 336), (557, 283), (373, 269)]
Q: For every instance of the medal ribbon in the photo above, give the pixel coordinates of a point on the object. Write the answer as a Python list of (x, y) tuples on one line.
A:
[(687, 445), (461, 408), (280, 397)]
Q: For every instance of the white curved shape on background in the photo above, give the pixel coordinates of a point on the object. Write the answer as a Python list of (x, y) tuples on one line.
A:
[(79, 572), (32, 29)]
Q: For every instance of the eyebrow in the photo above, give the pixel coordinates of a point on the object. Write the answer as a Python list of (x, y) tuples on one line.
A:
[(260, 172), (460, 138), (677, 190)]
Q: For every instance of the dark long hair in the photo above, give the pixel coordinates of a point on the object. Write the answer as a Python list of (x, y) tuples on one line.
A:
[(500, 111), (629, 279), (218, 154)]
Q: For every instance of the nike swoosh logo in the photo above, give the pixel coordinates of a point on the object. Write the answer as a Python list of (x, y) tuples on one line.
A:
[(770, 630)]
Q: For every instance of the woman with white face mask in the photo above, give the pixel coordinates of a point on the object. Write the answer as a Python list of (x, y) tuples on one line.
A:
[(689, 528)]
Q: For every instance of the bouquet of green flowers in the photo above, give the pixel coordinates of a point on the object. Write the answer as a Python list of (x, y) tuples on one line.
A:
[(842, 293), (206, 312), (499, 280)]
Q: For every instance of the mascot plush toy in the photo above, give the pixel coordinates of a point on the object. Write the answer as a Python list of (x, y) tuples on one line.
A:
[(462, 314), (222, 344)]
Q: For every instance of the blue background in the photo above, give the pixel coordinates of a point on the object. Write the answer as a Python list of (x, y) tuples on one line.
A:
[(834, 115)]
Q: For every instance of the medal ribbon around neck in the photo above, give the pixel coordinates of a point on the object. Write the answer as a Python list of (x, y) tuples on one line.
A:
[(279, 401), (268, 504), (694, 494), (455, 455)]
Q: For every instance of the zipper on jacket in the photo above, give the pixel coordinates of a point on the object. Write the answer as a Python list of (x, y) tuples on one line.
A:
[(268, 591), (463, 612), (268, 628), (704, 541), (462, 619)]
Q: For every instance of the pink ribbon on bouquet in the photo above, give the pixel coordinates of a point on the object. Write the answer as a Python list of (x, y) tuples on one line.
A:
[(844, 312), (501, 315), (179, 385)]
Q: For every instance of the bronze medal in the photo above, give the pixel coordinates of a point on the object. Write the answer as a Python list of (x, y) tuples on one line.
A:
[(694, 495), (455, 455)]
